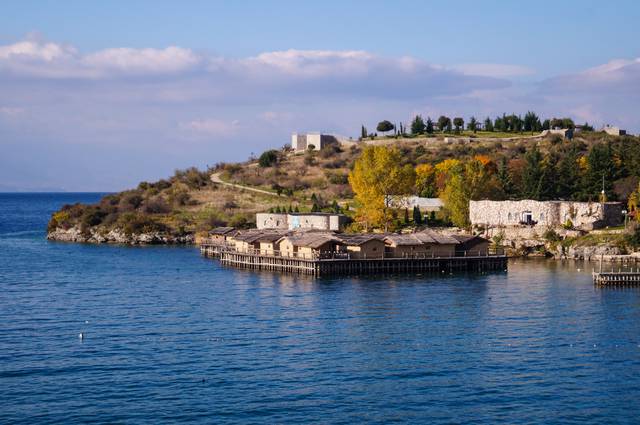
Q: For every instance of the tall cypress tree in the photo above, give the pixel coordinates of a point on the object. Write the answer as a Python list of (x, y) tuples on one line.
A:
[(502, 173), (568, 174), (417, 216), (600, 166), (533, 175)]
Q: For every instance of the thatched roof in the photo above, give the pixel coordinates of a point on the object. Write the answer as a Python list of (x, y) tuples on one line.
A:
[(221, 231), (420, 238), (253, 236), (360, 239), (313, 240)]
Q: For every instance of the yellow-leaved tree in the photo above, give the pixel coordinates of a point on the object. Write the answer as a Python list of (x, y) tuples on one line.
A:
[(465, 181), (380, 181)]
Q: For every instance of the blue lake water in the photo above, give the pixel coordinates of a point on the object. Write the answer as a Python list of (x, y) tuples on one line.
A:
[(173, 337)]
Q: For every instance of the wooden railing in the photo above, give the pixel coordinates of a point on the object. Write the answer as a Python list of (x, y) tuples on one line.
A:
[(345, 255)]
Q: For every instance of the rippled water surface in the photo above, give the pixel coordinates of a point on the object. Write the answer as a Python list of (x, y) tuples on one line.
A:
[(173, 337)]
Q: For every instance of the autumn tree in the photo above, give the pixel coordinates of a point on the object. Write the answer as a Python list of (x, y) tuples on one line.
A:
[(379, 183), (426, 181), (470, 181)]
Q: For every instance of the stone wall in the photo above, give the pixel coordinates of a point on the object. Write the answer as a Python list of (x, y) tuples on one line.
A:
[(335, 222), (272, 221), (545, 214)]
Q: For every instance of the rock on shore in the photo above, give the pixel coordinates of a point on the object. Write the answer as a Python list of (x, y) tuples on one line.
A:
[(74, 234)]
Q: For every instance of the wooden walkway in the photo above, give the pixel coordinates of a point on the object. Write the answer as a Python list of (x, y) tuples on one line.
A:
[(619, 278)]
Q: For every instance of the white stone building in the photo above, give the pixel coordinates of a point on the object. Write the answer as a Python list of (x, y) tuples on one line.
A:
[(545, 214), (292, 221), (614, 131), (301, 142)]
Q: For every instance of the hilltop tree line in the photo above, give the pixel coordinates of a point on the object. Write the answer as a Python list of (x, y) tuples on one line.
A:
[(550, 171), (513, 123)]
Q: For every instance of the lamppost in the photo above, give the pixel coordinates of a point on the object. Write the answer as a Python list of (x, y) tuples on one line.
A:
[(624, 212)]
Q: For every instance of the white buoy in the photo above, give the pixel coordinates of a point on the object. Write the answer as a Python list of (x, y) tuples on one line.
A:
[(81, 335)]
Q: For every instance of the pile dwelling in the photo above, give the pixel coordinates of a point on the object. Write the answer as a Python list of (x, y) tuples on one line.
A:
[(321, 252)]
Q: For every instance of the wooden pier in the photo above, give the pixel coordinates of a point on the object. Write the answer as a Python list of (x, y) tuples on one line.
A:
[(617, 278), (332, 264)]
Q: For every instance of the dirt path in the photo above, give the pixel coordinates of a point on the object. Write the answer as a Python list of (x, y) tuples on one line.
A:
[(215, 177)]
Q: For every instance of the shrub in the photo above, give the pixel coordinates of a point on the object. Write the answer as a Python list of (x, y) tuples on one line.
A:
[(551, 235), (156, 205), (130, 201), (91, 217), (268, 158), (61, 219), (136, 223)]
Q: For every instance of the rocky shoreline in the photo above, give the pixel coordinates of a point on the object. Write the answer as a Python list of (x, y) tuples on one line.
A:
[(117, 236), (536, 248)]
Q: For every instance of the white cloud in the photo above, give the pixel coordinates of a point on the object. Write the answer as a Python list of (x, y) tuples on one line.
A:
[(211, 127), (142, 61), (620, 76), (290, 73), (495, 70), (11, 111), (36, 51), (41, 59)]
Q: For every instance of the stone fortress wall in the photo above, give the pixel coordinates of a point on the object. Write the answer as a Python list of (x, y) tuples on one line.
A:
[(583, 215)]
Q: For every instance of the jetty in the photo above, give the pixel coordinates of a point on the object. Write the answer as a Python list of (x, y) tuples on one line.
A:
[(618, 277), (331, 254)]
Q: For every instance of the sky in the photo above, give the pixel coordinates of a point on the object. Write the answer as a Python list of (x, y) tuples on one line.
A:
[(98, 96)]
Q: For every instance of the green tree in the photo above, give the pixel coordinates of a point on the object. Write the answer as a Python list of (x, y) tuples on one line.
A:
[(569, 173), (444, 123), (546, 125), (531, 122), (550, 187), (504, 177), (532, 178), (500, 124), (363, 133), (268, 158), (488, 124), (429, 126), (458, 123), (385, 126), (600, 166), (473, 124), (417, 125), (417, 215), (379, 182)]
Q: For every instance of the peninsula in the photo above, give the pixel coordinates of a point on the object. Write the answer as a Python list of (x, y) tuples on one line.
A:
[(532, 187)]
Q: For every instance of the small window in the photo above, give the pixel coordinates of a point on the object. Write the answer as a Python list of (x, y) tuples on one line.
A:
[(509, 217)]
